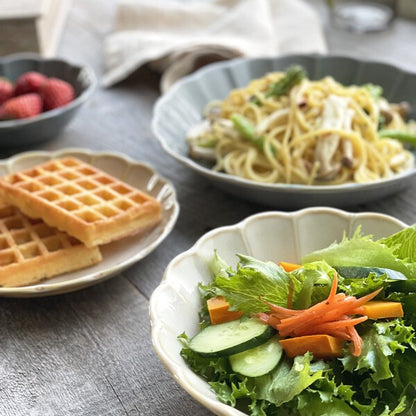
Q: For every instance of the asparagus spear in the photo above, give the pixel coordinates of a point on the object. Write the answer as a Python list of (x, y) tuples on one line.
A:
[(293, 76), (403, 136), (247, 129)]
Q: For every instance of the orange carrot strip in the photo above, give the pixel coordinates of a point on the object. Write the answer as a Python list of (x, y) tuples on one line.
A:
[(333, 291), (328, 327), (357, 311), (356, 341), (368, 297), (316, 311), (265, 317), (322, 328), (348, 305), (331, 316), (289, 267), (280, 311), (312, 316)]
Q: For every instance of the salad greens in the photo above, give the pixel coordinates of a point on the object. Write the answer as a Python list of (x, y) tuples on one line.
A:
[(380, 381)]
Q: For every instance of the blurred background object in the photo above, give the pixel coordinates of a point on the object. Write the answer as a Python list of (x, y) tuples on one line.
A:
[(31, 25), (59, 110), (175, 37), (407, 8), (362, 16)]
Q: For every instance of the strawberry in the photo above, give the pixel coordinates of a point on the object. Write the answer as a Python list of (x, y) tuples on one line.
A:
[(29, 82), (6, 90), (22, 106), (56, 93)]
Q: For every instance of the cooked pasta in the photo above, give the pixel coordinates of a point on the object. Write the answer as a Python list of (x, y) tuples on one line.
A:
[(285, 128)]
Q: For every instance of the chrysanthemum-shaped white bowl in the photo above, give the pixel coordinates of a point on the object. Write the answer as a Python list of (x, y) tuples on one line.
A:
[(272, 236)]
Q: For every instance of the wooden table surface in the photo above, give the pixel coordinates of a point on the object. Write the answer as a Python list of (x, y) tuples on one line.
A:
[(89, 352)]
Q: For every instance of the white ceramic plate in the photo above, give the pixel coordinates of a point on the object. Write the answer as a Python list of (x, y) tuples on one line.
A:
[(273, 236), (181, 107), (116, 255)]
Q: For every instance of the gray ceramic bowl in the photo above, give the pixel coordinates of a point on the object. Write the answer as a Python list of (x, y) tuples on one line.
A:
[(46, 126), (182, 106)]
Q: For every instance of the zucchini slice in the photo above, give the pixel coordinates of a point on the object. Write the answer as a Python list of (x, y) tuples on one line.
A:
[(358, 272), (231, 337), (259, 360)]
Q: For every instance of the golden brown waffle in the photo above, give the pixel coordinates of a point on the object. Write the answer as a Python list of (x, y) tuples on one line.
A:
[(80, 199), (31, 251)]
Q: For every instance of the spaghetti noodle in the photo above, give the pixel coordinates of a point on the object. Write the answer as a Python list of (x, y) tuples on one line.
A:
[(285, 128)]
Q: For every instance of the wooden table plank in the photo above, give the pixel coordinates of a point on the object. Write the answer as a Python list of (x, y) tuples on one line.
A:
[(85, 353), (89, 352)]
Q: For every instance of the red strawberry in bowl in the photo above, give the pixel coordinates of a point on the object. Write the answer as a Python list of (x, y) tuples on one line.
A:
[(6, 90), (22, 106), (29, 82), (56, 93)]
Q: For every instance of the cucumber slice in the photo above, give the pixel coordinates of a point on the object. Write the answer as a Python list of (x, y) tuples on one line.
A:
[(257, 361), (231, 337), (358, 272)]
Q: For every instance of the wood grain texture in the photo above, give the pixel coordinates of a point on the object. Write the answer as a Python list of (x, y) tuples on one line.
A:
[(89, 352), (85, 353)]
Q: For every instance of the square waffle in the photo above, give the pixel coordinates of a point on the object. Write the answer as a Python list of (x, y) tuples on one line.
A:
[(82, 200), (31, 251)]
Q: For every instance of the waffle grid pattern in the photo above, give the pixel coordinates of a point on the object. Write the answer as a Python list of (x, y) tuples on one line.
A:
[(23, 239), (78, 189)]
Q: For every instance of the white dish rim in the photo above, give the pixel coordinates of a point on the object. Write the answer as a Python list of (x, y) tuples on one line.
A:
[(48, 287), (179, 372)]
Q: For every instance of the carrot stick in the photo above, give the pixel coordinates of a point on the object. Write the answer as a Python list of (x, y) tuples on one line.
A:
[(280, 311), (356, 341), (331, 316), (333, 291), (344, 323), (368, 297)]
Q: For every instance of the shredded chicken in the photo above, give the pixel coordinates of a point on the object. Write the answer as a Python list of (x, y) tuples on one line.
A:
[(336, 115)]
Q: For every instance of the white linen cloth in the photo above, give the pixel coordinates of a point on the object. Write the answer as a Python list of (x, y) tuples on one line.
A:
[(177, 36)]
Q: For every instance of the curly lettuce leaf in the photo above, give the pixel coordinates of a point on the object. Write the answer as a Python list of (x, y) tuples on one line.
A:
[(383, 372), (403, 244), (314, 281), (381, 340), (312, 406), (255, 280), (363, 286), (288, 379), (395, 252)]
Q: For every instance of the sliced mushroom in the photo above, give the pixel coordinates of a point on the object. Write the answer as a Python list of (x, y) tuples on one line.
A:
[(199, 152), (387, 110), (212, 110), (197, 130), (195, 137), (348, 156), (272, 118), (403, 108)]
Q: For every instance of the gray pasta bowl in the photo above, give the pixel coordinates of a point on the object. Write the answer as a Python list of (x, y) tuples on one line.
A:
[(47, 125), (181, 107)]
